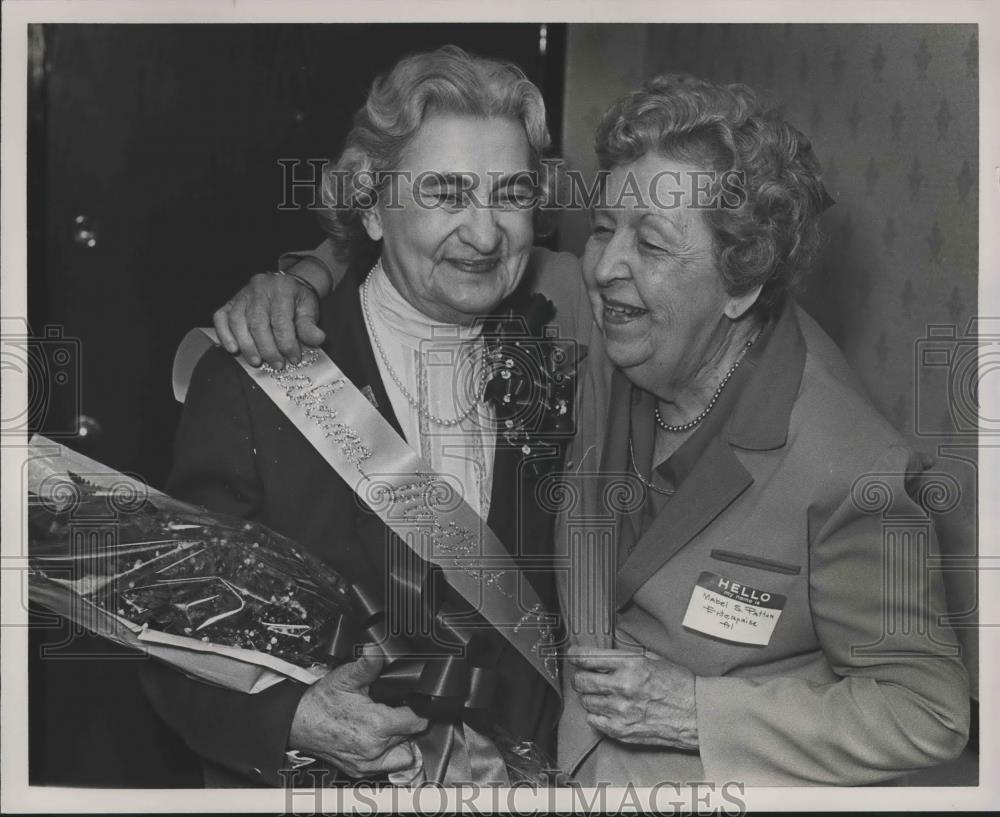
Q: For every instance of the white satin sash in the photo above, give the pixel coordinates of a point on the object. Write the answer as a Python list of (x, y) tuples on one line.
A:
[(421, 507)]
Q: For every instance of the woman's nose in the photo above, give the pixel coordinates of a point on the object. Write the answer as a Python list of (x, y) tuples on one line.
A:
[(614, 263), (479, 228)]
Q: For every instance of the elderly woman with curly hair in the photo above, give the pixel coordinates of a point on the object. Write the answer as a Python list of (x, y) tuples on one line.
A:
[(762, 623), (766, 628)]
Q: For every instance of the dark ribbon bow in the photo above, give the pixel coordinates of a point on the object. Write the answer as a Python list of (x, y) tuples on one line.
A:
[(443, 671)]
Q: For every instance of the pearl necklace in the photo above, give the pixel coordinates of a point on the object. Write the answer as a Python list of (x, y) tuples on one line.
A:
[(413, 401), (711, 403)]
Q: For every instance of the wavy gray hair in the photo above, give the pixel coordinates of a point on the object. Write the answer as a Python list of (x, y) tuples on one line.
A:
[(447, 80)]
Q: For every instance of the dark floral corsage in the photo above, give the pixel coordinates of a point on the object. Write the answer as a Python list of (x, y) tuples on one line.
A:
[(532, 379)]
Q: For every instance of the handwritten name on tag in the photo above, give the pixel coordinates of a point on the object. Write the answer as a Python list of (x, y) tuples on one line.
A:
[(732, 611)]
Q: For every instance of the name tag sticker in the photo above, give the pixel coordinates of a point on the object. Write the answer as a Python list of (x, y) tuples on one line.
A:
[(726, 609)]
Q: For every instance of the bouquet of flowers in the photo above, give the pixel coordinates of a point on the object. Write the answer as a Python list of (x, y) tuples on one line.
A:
[(137, 566), (222, 599)]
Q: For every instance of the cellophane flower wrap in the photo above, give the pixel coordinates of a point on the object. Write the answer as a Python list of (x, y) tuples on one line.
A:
[(153, 573), (219, 598)]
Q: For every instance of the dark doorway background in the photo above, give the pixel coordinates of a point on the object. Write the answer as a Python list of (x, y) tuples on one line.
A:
[(153, 193)]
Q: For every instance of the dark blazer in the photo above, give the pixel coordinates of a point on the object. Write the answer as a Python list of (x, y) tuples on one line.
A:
[(237, 453)]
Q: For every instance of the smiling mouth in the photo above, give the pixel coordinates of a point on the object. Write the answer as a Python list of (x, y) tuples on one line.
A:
[(618, 312), (475, 265)]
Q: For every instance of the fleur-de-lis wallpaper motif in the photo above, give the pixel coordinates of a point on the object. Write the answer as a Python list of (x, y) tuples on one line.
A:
[(964, 181), (882, 350), (889, 235), (971, 55), (935, 241), (878, 63), (816, 118), (830, 174), (943, 118), (922, 58), (803, 67), (915, 178), (896, 120), (907, 298), (768, 68), (837, 64), (863, 287), (854, 119), (846, 231), (871, 176), (956, 306)]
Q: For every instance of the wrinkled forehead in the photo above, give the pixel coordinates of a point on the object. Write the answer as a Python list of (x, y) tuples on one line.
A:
[(455, 143), (671, 191)]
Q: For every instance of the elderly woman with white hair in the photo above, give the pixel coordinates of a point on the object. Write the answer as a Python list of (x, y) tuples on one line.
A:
[(423, 268)]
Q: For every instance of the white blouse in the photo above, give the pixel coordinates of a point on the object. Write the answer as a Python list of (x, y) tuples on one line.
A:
[(441, 365)]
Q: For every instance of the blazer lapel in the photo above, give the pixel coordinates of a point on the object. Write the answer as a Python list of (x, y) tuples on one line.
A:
[(639, 447), (717, 479), (616, 436), (614, 459), (502, 518)]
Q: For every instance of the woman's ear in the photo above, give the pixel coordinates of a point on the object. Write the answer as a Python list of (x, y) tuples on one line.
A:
[(372, 221), (737, 305)]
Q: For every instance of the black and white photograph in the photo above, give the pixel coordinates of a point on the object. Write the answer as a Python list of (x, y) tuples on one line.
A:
[(514, 408)]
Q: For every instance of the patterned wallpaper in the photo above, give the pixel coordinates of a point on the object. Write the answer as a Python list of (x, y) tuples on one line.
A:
[(892, 111)]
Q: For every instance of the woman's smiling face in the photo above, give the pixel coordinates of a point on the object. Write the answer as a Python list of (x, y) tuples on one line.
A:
[(452, 259), (652, 276)]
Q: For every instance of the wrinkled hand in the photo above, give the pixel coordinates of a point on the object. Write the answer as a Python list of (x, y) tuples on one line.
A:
[(636, 699), (268, 319), (339, 723)]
